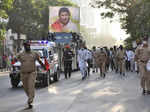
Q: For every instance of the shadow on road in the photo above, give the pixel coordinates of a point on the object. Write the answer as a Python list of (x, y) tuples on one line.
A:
[(26, 110)]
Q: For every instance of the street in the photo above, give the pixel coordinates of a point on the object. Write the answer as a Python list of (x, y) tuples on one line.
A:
[(112, 94)]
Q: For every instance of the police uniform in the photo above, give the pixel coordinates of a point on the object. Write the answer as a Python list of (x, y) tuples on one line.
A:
[(94, 66), (101, 58), (121, 61), (28, 73), (67, 58), (142, 56)]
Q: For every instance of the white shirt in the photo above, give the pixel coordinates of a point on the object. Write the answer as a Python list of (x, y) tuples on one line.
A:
[(88, 54), (130, 55)]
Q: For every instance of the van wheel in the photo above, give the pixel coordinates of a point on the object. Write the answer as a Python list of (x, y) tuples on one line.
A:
[(14, 83)]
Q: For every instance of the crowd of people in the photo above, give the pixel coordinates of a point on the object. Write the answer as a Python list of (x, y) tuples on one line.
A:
[(103, 59), (118, 59)]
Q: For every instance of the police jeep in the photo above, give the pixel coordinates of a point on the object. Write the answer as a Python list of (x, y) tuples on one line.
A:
[(48, 56)]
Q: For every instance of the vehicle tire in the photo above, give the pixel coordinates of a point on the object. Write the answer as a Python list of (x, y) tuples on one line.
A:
[(57, 75), (44, 81), (15, 83)]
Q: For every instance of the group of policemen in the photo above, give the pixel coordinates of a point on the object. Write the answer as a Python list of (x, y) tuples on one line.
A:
[(99, 59)]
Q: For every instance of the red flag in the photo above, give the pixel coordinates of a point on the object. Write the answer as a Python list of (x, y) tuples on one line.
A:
[(46, 64)]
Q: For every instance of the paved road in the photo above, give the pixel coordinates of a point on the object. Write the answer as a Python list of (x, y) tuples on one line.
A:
[(113, 94)]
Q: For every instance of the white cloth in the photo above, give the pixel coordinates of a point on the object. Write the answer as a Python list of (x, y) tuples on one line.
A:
[(82, 61), (130, 55), (88, 54)]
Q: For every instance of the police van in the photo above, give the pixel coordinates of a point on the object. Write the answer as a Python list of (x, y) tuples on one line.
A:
[(49, 56)]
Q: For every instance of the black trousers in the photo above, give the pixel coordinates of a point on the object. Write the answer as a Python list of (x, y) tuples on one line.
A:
[(128, 65), (89, 66), (67, 68)]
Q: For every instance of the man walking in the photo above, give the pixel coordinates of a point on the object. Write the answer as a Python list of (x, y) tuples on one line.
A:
[(67, 59), (121, 60), (28, 71), (101, 59), (82, 61), (144, 53)]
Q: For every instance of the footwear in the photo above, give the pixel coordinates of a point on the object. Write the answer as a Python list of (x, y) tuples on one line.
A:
[(148, 92), (123, 74), (104, 75), (29, 106), (83, 78), (144, 92), (69, 76)]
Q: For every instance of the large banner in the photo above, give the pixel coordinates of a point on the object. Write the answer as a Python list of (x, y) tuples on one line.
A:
[(64, 19)]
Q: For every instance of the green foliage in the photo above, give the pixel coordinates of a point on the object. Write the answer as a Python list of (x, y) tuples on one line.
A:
[(31, 17), (134, 15), (2, 33), (5, 5)]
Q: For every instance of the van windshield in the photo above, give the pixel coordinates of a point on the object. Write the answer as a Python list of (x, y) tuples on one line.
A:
[(42, 52)]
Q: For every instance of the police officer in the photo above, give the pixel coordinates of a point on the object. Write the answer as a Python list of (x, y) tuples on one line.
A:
[(144, 55), (138, 54), (94, 66), (28, 71), (67, 59), (121, 60), (101, 59)]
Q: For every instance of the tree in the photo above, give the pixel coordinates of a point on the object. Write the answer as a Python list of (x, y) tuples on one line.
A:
[(5, 5), (30, 17), (134, 15)]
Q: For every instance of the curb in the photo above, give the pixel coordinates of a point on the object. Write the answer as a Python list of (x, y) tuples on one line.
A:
[(4, 72)]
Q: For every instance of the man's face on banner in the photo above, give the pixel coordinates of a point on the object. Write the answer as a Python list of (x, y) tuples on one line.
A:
[(64, 17)]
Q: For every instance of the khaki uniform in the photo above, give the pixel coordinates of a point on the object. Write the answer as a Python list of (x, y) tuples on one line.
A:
[(137, 57), (121, 61), (101, 58), (116, 60), (142, 57), (28, 72)]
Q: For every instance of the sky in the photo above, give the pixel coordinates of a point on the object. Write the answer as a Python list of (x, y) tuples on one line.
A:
[(91, 18)]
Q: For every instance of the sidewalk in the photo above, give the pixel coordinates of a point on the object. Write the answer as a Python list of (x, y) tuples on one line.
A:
[(4, 72)]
